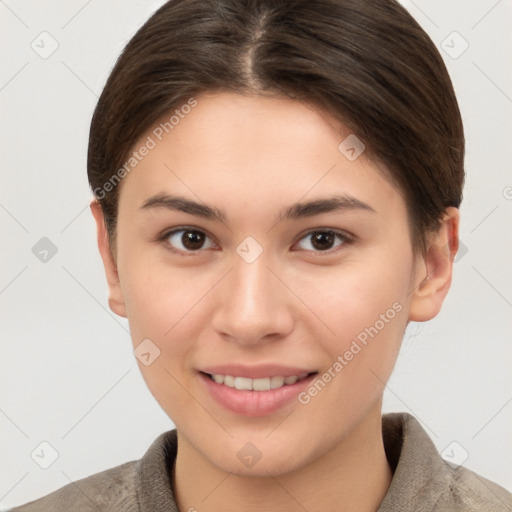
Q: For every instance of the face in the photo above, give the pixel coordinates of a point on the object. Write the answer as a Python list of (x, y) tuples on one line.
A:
[(251, 252)]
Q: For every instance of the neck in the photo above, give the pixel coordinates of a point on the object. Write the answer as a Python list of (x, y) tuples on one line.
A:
[(354, 475)]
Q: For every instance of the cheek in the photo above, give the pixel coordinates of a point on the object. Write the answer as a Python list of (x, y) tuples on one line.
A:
[(363, 306), (354, 295), (159, 296), (161, 305)]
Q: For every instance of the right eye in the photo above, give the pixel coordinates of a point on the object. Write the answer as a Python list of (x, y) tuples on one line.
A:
[(188, 240)]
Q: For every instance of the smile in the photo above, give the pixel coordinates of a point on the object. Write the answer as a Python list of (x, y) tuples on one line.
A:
[(262, 384), (252, 394)]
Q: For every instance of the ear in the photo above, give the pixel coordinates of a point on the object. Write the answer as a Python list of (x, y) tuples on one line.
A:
[(434, 269), (115, 298)]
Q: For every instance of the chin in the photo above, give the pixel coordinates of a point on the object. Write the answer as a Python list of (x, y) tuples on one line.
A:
[(260, 457)]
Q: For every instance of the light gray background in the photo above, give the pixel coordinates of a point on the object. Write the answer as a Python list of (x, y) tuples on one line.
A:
[(68, 375)]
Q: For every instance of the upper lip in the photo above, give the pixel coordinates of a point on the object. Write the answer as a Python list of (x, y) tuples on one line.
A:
[(257, 371)]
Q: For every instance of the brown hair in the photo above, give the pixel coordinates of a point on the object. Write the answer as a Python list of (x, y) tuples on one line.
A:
[(367, 62)]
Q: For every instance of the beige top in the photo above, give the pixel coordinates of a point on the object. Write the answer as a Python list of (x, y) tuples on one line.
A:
[(422, 480)]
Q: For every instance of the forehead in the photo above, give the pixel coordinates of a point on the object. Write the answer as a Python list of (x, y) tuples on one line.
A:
[(253, 153)]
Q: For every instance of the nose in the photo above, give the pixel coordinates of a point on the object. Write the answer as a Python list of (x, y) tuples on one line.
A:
[(252, 304)]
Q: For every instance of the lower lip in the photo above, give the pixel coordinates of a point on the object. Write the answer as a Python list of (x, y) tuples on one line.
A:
[(254, 403)]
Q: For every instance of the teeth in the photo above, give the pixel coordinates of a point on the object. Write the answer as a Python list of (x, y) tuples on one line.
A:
[(264, 384), (276, 382), (219, 379), (229, 381), (261, 384), (243, 383)]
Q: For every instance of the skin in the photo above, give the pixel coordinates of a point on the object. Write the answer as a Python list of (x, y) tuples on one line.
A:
[(251, 157)]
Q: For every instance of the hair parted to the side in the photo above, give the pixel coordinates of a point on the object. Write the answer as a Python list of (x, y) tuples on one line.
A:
[(368, 63)]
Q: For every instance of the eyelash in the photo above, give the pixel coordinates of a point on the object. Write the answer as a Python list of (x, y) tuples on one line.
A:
[(341, 235)]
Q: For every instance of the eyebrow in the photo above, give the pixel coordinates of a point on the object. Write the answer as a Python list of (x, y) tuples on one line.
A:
[(293, 212)]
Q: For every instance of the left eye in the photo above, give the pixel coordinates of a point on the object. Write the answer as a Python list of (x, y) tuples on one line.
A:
[(324, 240), (189, 240)]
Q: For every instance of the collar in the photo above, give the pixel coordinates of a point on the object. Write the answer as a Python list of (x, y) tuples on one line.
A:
[(420, 475), (421, 478)]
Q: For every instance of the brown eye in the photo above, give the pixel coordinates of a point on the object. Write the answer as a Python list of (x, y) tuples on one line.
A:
[(188, 240), (322, 240)]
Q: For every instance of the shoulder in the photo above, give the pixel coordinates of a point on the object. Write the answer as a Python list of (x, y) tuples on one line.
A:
[(143, 484), (467, 491), (424, 481), (113, 489)]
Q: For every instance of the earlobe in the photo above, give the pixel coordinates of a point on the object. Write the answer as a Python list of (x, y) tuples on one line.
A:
[(434, 269), (115, 299)]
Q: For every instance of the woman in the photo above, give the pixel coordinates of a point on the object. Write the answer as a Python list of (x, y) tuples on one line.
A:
[(276, 189)]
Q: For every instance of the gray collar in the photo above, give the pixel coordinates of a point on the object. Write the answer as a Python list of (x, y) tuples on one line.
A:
[(422, 480)]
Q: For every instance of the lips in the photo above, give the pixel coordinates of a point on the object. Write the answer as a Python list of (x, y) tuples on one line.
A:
[(257, 390)]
